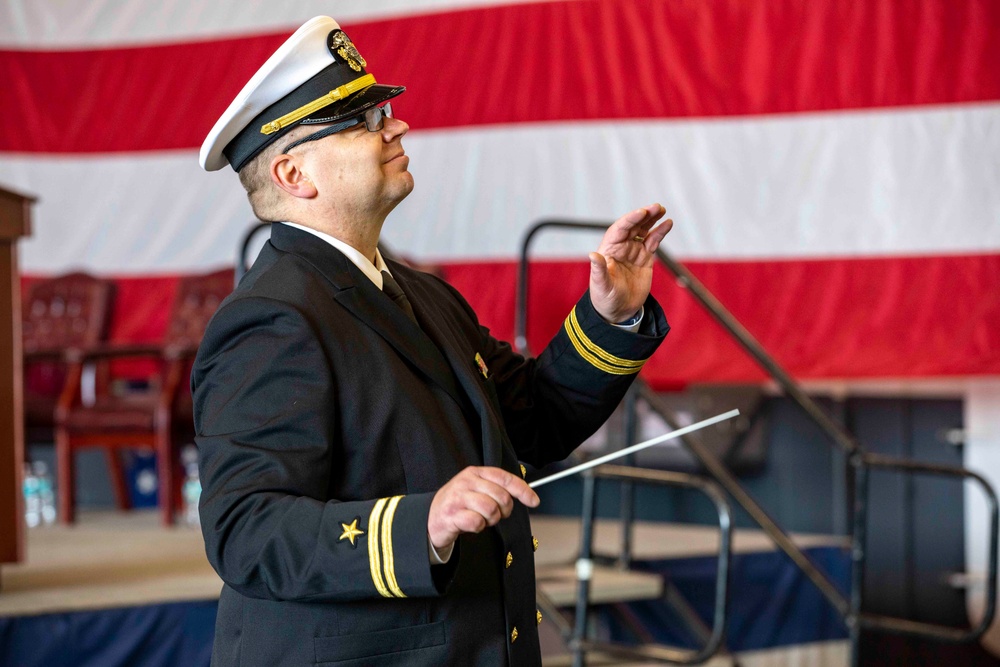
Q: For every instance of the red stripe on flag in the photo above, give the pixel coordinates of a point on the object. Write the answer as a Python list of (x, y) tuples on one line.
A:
[(552, 61), (821, 319), (856, 318)]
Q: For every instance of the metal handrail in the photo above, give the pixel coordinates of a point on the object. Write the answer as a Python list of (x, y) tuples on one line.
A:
[(903, 626), (860, 460), (579, 644), (242, 262)]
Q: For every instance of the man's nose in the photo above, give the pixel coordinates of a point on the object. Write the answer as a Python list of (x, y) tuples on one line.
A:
[(393, 128)]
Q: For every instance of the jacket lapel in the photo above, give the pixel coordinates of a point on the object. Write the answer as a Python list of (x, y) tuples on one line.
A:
[(435, 323), (365, 301)]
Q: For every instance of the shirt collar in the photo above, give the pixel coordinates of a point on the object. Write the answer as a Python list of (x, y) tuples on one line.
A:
[(373, 271)]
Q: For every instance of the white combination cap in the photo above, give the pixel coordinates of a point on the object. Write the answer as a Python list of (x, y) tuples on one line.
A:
[(317, 76)]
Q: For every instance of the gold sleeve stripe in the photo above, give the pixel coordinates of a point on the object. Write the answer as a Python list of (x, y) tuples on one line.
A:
[(593, 347), (389, 561), (374, 559), (339, 93), (591, 359), (595, 355)]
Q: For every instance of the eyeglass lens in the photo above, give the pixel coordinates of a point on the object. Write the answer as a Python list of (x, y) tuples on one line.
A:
[(375, 117)]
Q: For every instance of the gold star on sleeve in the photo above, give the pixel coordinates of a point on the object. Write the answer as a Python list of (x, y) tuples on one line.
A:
[(351, 531)]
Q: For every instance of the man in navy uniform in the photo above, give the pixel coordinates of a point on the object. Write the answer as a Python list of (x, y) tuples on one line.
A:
[(361, 435)]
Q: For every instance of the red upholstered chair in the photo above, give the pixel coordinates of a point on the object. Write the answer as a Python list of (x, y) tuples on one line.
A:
[(158, 418), (58, 314)]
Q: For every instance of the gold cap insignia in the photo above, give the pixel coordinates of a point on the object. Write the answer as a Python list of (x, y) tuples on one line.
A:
[(351, 531), (342, 45)]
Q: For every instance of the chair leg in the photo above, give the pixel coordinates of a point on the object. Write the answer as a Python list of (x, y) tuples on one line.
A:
[(66, 477), (165, 471), (118, 483)]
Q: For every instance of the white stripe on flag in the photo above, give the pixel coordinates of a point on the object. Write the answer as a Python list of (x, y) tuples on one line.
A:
[(820, 185), (853, 184), (138, 213), (30, 24)]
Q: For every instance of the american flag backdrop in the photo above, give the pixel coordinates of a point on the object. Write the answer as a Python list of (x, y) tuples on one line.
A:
[(832, 166)]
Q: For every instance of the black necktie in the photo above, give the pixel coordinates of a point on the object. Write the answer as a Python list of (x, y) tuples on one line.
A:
[(392, 290)]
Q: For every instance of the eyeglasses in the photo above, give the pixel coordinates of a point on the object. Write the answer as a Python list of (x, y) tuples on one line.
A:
[(374, 120)]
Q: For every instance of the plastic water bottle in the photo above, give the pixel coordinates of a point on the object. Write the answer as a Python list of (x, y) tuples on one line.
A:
[(191, 490), (32, 498), (46, 493)]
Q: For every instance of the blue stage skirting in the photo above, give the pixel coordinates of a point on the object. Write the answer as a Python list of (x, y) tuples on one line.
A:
[(772, 603), (162, 635)]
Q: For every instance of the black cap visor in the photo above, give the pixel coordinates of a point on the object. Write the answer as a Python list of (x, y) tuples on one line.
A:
[(251, 141), (358, 103)]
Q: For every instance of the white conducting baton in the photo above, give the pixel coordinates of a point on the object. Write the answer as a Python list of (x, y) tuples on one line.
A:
[(635, 448)]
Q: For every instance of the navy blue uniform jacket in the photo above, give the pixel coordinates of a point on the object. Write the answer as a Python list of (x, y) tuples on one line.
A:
[(326, 420)]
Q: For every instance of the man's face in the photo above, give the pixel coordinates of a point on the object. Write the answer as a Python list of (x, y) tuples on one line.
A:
[(358, 169)]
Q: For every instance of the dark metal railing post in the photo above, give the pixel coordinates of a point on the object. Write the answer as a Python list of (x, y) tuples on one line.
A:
[(858, 555), (627, 488), (584, 567), (521, 302)]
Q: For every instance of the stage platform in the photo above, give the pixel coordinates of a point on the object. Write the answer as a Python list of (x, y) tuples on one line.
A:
[(655, 540), (116, 569), (107, 560), (121, 559)]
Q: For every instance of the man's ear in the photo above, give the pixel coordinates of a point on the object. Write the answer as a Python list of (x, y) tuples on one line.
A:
[(287, 174)]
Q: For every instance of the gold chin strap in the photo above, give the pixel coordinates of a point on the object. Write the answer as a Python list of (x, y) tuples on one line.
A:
[(340, 93)]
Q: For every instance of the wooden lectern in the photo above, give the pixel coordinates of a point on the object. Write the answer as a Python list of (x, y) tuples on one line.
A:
[(15, 222)]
